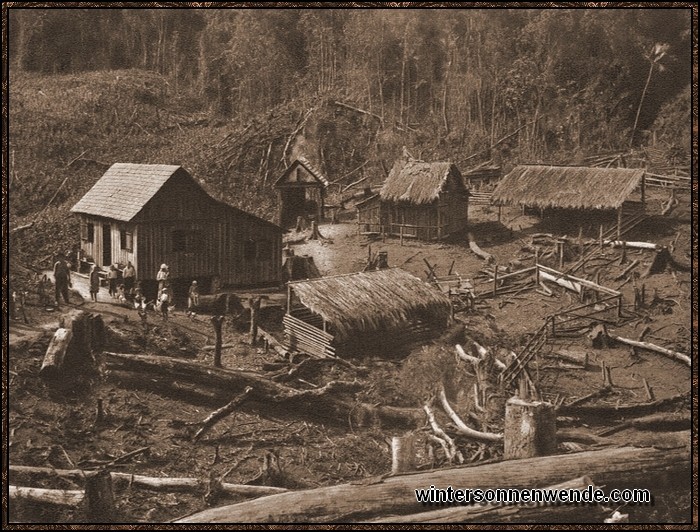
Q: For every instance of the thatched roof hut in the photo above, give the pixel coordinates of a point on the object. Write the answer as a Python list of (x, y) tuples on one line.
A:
[(417, 182), (374, 311), (364, 301), (567, 187)]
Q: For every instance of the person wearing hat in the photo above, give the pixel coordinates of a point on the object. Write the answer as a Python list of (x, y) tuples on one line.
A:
[(193, 299), (162, 278), (94, 281), (62, 280)]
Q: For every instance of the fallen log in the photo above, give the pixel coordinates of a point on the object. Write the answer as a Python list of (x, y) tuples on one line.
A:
[(635, 245), (56, 354), (561, 281), (580, 358), (616, 411), (216, 416), (161, 484), (478, 251), (381, 496), (321, 402), (675, 355), (670, 422), (70, 498), (530, 512)]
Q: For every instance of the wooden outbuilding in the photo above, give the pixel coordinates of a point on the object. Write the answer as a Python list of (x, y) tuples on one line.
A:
[(419, 200), (302, 192), (618, 193), (158, 214), (368, 313)]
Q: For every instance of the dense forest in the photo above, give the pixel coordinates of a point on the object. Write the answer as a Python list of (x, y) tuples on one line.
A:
[(233, 94)]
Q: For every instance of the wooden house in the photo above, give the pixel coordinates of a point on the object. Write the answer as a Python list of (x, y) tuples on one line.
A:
[(302, 191), (368, 313), (616, 194), (421, 200), (155, 214)]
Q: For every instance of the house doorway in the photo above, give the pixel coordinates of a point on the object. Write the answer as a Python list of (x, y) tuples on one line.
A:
[(106, 245)]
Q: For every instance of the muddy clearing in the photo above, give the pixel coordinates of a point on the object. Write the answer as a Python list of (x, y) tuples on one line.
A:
[(57, 425)]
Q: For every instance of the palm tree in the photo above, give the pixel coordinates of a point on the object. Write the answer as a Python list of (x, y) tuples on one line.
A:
[(657, 53)]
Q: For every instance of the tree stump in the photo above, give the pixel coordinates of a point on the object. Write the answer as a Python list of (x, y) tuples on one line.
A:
[(217, 321), (402, 454), (599, 336), (530, 429), (56, 353), (100, 497)]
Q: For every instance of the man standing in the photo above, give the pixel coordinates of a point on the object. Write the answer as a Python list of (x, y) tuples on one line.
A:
[(62, 280), (129, 275)]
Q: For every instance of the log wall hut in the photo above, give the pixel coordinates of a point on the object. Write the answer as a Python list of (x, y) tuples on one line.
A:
[(362, 313), (154, 214), (422, 200), (302, 192), (617, 193)]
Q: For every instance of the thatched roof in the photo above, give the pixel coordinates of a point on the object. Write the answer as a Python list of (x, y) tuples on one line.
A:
[(418, 182), (371, 300), (569, 187)]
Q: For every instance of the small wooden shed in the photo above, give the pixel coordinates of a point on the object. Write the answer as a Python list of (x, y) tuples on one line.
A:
[(362, 313), (302, 192), (152, 214), (418, 199)]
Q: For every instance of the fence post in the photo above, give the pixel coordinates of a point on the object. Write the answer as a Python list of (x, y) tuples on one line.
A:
[(495, 279), (401, 235)]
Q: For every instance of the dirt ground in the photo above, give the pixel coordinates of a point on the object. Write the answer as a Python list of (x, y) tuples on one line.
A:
[(56, 427)]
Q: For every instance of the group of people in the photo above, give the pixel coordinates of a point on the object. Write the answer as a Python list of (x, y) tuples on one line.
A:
[(124, 286)]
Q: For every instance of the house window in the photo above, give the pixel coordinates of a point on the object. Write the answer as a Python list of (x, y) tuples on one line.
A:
[(126, 239), (87, 232)]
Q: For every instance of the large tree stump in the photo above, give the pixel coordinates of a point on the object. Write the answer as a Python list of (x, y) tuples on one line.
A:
[(402, 453), (56, 353), (100, 497), (530, 429)]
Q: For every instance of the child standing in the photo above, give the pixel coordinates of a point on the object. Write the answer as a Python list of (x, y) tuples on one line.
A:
[(164, 302), (94, 281)]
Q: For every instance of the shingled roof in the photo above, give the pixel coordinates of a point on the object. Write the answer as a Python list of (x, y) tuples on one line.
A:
[(569, 187), (303, 161), (124, 190), (417, 182)]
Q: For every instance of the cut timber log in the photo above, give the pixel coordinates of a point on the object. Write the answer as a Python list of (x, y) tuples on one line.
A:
[(374, 497), (635, 245), (675, 355), (478, 251), (517, 513), (70, 498), (323, 402), (668, 422), (56, 354), (566, 283), (161, 484)]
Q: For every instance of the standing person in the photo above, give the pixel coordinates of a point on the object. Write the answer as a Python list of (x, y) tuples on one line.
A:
[(129, 275), (162, 278), (112, 276), (62, 280), (164, 302), (94, 282), (193, 300)]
